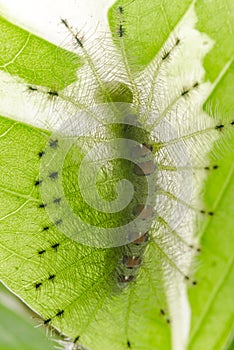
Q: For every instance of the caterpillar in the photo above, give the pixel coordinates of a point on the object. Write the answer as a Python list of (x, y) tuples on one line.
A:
[(110, 239)]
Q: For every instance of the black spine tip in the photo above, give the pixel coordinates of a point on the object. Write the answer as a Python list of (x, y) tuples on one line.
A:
[(76, 339), (64, 21), (166, 55), (51, 277), (38, 182), (121, 31), (55, 246), (37, 285), (54, 175), (79, 42), (47, 321), (41, 154), (58, 222), (32, 88), (219, 127), (53, 143), (121, 10), (60, 313), (42, 205), (41, 252), (185, 92), (53, 93), (57, 200)]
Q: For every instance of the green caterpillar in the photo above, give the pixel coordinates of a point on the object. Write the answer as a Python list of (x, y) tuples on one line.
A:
[(85, 264)]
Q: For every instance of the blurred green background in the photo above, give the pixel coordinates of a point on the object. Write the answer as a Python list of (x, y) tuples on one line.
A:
[(20, 327)]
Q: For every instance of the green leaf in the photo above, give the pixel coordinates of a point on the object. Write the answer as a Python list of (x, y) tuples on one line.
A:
[(34, 59), (16, 332), (212, 306), (213, 312), (72, 286), (37, 253), (148, 26), (216, 19), (231, 347)]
